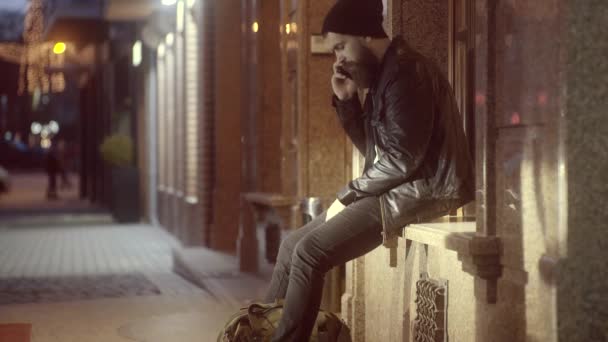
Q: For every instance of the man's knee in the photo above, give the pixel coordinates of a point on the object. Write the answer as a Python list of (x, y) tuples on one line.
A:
[(286, 248), (308, 253)]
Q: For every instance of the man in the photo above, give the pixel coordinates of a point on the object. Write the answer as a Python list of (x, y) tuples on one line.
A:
[(52, 168), (417, 162), (63, 158)]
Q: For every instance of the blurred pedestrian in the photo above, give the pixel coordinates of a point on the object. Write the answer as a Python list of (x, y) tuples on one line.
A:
[(63, 163), (52, 167)]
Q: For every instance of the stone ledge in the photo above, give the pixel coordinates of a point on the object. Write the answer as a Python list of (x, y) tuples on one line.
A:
[(276, 212), (480, 255), (442, 234), (274, 207), (270, 199)]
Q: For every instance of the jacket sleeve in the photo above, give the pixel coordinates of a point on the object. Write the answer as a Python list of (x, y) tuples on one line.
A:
[(350, 114), (407, 130)]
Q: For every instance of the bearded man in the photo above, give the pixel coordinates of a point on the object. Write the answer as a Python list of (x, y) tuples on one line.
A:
[(417, 162)]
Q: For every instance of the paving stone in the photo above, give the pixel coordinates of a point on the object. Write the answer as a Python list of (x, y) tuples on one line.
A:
[(35, 253)]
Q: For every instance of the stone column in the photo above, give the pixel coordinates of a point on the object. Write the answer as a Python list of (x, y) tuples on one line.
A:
[(228, 147), (583, 275), (269, 103)]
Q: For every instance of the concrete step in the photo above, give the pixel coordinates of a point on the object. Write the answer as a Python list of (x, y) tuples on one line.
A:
[(44, 219), (218, 274)]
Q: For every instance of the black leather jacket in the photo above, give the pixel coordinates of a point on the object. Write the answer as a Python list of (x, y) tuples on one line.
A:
[(414, 122)]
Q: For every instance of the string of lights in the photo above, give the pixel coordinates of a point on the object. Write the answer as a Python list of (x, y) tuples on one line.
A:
[(11, 52), (36, 56)]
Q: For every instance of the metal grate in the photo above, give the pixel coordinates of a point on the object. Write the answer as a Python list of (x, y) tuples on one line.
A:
[(431, 313)]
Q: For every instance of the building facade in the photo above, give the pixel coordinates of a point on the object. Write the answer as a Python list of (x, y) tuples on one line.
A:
[(239, 125)]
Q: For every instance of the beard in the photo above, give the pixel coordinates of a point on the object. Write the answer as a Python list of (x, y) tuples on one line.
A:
[(364, 70)]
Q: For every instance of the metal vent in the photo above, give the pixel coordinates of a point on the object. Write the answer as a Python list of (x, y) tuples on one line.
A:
[(431, 313)]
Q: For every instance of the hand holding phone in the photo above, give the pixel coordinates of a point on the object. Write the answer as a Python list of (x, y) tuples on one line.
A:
[(342, 82)]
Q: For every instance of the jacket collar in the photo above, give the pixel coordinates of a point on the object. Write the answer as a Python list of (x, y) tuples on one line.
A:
[(388, 65)]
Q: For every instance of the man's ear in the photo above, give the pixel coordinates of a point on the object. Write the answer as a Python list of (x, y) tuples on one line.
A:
[(365, 41)]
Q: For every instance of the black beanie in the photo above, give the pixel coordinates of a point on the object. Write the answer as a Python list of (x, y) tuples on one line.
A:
[(355, 18)]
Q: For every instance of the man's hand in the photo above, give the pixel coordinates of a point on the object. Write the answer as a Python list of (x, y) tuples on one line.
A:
[(344, 87), (334, 209)]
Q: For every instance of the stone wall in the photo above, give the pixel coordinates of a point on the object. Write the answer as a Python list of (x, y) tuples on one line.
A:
[(322, 142)]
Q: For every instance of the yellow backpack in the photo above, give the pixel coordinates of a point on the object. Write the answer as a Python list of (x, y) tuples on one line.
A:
[(258, 321)]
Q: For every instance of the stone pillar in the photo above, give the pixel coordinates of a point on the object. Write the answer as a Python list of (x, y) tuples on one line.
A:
[(583, 276), (180, 138), (227, 188), (269, 110)]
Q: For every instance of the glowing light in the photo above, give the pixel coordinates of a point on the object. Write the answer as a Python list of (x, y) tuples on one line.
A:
[(255, 27), (191, 3), (36, 128), (287, 28), (8, 136), (180, 16), (137, 56), (294, 27), (168, 2), (480, 99), (35, 55), (57, 83), (45, 132), (36, 98), (59, 48), (12, 52), (515, 118), (169, 39), (543, 98), (45, 143), (161, 50), (53, 127)]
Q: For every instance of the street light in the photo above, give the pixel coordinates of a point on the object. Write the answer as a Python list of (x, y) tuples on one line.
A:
[(53, 127), (137, 53), (180, 16), (36, 128), (59, 48), (169, 38), (45, 143)]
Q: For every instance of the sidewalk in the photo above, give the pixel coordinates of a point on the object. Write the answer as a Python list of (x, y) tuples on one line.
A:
[(219, 275), (27, 196), (105, 282)]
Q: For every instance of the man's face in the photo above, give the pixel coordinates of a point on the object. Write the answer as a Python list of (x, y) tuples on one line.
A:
[(357, 60)]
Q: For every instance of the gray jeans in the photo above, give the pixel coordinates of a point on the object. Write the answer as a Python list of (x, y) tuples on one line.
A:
[(307, 253)]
